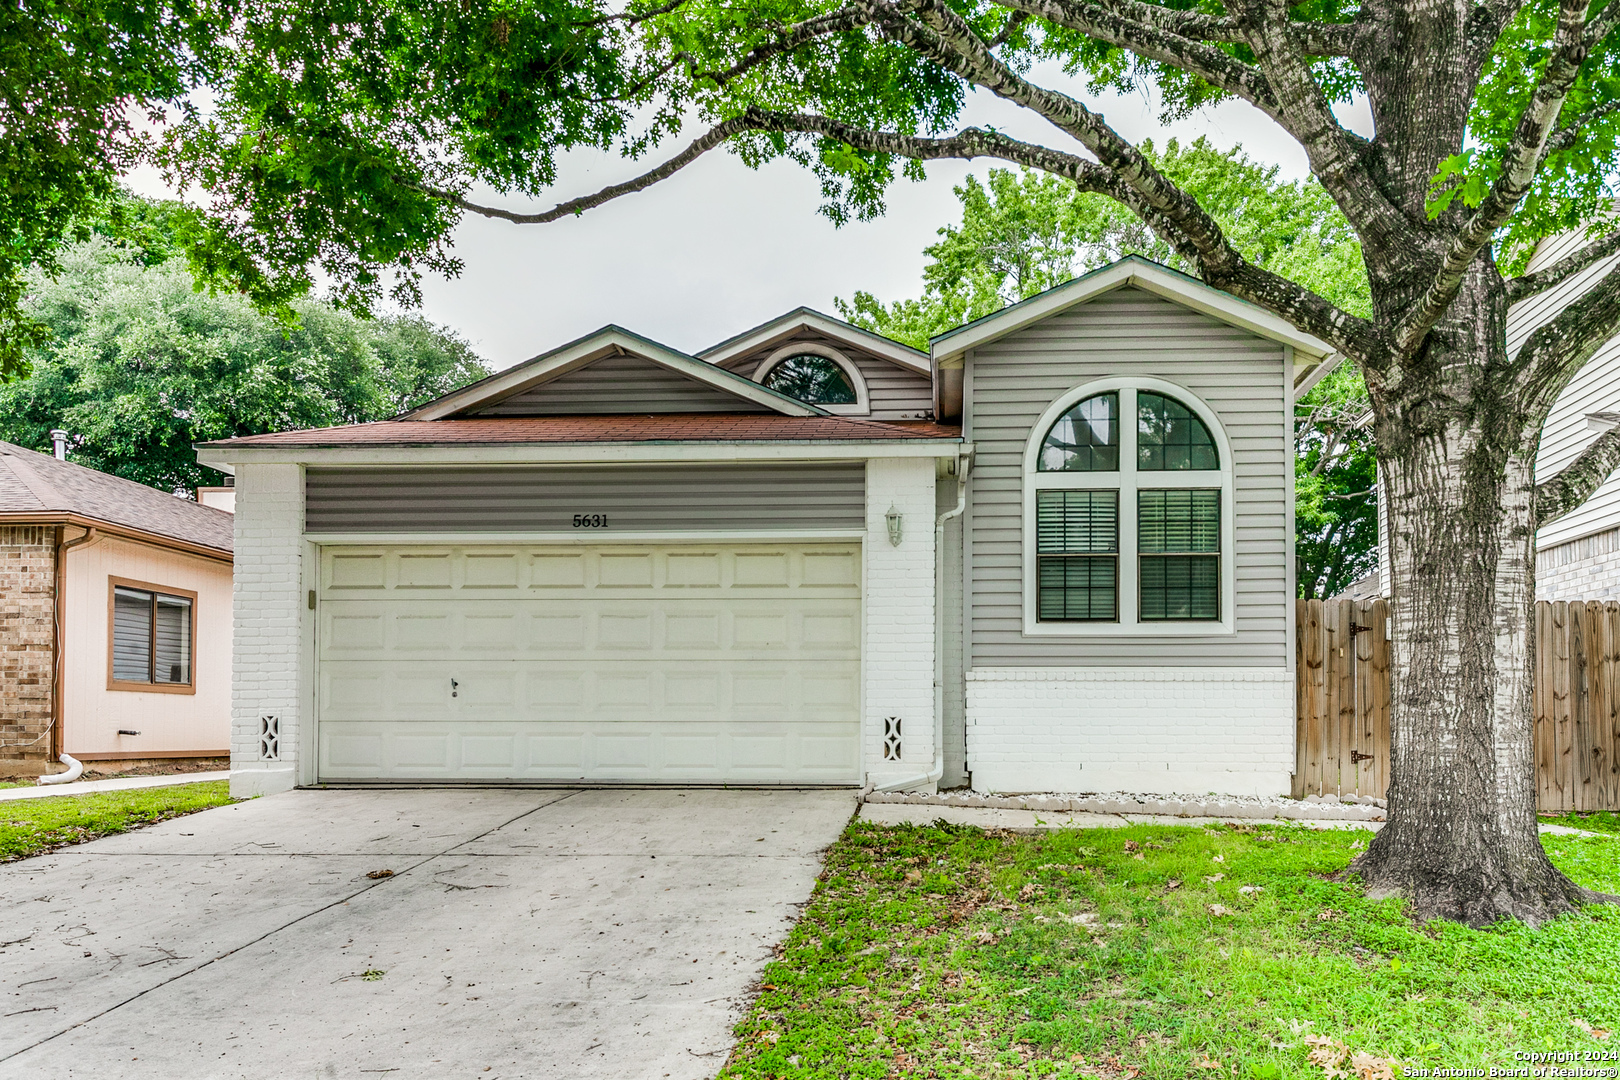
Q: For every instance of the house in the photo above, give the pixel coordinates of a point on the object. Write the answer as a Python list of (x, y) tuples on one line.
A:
[(115, 618), (1577, 555), (1055, 553)]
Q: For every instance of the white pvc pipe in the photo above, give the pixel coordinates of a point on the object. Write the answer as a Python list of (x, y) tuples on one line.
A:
[(74, 771)]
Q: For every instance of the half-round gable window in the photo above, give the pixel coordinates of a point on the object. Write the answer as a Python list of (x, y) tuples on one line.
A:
[(818, 380)]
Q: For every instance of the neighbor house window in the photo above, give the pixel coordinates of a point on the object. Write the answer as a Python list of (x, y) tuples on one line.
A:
[(815, 373), (1127, 497), (153, 633)]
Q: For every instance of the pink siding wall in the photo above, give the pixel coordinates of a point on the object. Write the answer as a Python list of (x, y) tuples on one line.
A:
[(167, 722)]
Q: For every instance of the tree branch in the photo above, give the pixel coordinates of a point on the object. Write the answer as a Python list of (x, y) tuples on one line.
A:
[(1571, 45), (1337, 155), (710, 139), (1565, 137), (1560, 347), (802, 33), (1542, 280), (1146, 39), (1321, 39), (1575, 482)]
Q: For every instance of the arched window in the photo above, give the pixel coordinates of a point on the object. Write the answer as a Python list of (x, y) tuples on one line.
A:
[(812, 378), (1128, 490), (816, 373)]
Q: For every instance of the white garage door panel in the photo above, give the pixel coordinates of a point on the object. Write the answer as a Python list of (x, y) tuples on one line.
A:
[(729, 663)]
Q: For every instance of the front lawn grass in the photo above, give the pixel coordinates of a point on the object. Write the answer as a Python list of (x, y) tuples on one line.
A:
[(1215, 952), (31, 826), (1604, 821)]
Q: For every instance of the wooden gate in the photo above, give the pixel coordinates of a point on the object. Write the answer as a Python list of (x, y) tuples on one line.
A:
[(1577, 714), (1342, 704), (1341, 670)]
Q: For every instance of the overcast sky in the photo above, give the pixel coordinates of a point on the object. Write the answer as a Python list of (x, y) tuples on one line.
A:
[(720, 248)]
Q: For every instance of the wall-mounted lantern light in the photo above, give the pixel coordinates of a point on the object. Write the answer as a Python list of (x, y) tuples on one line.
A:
[(894, 521)]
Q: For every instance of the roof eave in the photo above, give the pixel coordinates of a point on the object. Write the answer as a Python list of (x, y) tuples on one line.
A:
[(757, 337), (949, 348), (593, 347), (114, 528)]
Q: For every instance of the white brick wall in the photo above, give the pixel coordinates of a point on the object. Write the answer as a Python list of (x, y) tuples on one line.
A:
[(1584, 569), (1154, 730), (898, 630), (268, 645)]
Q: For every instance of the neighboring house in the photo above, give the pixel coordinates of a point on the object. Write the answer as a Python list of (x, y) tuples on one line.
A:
[(1577, 555), (1055, 554), (115, 618)]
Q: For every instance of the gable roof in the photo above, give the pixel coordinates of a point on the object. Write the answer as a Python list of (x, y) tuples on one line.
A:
[(1310, 353), (608, 341), (785, 325), (35, 487)]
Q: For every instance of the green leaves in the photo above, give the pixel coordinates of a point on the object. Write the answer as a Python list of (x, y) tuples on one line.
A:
[(77, 79), (140, 365), (1460, 177)]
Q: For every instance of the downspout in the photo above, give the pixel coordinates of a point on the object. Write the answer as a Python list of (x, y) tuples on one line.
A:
[(934, 774), (75, 769)]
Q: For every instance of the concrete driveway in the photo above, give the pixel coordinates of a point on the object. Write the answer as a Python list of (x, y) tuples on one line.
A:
[(524, 933)]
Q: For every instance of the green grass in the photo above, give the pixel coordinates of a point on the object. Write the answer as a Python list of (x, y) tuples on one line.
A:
[(1603, 821), (31, 826), (951, 952)]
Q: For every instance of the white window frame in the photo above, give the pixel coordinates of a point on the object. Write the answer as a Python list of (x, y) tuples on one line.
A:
[(1128, 481), (863, 402)]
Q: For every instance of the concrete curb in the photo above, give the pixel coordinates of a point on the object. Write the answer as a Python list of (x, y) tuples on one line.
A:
[(1311, 808), (125, 783)]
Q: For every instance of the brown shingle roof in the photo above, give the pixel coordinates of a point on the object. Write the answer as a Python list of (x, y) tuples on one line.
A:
[(662, 428), (32, 483)]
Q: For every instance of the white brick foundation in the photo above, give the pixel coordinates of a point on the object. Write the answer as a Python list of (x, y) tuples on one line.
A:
[(898, 630), (268, 645), (1149, 730)]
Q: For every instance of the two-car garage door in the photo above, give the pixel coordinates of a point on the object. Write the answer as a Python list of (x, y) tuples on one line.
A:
[(716, 663)]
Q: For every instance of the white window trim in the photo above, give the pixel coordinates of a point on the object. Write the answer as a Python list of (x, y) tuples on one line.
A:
[(1128, 481), (863, 402)]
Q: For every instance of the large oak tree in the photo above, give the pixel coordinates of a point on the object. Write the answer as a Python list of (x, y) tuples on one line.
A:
[(350, 138)]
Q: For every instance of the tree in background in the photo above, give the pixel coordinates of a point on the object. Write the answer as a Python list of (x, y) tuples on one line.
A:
[(1024, 231), (139, 364), (77, 80), (1335, 497)]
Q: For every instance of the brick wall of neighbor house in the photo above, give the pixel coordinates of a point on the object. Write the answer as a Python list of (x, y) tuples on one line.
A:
[(1164, 730), (1584, 569), (27, 615), (268, 643), (898, 630)]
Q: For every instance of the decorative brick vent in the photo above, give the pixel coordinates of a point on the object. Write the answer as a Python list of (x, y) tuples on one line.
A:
[(269, 738), (891, 738)]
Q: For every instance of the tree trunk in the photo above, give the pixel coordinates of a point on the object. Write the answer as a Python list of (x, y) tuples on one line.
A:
[(1461, 839)]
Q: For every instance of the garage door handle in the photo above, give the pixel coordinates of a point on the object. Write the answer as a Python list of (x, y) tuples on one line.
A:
[(453, 685)]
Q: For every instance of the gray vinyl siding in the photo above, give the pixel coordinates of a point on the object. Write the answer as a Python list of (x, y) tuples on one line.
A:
[(617, 385), (1595, 388), (893, 392), (687, 498), (1123, 333)]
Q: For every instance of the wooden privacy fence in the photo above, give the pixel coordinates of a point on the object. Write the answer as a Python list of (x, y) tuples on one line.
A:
[(1342, 701)]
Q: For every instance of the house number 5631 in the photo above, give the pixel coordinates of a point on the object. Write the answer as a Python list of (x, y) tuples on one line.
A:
[(590, 521)]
